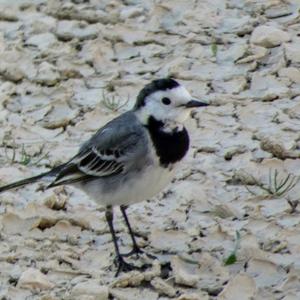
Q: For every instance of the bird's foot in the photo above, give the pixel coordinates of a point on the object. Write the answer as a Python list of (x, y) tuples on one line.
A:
[(123, 266), (138, 251)]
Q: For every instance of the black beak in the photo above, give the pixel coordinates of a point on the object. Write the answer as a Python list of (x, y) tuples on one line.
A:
[(195, 103)]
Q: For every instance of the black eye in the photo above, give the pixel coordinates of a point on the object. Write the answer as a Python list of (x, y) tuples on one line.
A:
[(166, 101)]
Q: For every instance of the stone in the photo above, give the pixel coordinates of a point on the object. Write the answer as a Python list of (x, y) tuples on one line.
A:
[(264, 273), (291, 73), (131, 12), (91, 288), (34, 279), (269, 36), (234, 86), (47, 74), (162, 287), (171, 240), (42, 41), (278, 11), (292, 51), (200, 295), (67, 30), (240, 287), (267, 87), (183, 273), (134, 294)]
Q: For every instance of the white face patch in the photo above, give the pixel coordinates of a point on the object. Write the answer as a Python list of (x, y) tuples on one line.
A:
[(173, 113)]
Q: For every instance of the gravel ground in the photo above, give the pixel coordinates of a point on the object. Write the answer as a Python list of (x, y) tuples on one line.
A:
[(228, 227)]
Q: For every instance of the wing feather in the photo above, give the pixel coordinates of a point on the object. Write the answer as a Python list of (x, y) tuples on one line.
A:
[(111, 151)]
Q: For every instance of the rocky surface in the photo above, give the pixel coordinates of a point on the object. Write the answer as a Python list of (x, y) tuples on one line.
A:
[(228, 227)]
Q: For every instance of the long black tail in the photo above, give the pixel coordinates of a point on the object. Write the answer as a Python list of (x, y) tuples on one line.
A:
[(23, 182)]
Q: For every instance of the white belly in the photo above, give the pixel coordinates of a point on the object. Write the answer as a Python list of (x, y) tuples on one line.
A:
[(134, 189)]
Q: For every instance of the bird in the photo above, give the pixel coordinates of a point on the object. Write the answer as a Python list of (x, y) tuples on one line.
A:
[(131, 158)]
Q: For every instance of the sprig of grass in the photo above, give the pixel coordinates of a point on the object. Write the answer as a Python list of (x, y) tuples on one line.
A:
[(214, 49), (113, 102), (25, 158), (275, 187), (232, 258)]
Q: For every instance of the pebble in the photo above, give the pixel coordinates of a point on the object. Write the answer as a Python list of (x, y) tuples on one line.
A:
[(290, 72), (90, 288), (292, 51), (183, 273), (269, 36), (34, 279), (240, 287), (162, 287)]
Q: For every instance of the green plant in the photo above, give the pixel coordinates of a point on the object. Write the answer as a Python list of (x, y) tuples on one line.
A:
[(214, 49), (275, 187), (25, 158), (232, 258)]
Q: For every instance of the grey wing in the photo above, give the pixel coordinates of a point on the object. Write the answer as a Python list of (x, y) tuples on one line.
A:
[(111, 151)]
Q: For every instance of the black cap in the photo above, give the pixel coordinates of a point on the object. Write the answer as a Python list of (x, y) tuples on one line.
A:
[(156, 85)]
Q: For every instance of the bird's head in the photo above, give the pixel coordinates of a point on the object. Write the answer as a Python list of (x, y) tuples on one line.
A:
[(165, 100)]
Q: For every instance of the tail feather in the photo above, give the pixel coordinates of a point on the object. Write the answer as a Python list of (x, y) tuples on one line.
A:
[(23, 182)]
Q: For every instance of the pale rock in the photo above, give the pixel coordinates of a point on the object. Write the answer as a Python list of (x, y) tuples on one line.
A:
[(56, 201), (127, 34), (291, 73), (267, 87), (91, 288), (238, 25), (67, 30), (131, 12), (253, 54), (162, 287), (291, 296), (13, 224), (133, 278), (60, 114), (183, 272), (234, 86), (61, 230), (34, 279), (9, 14), (47, 74), (274, 207), (124, 51), (278, 11), (200, 295), (45, 25), (171, 240), (232, 53), (133, 294), (6, 90), (240, 287), (269, 36), (70, 11), (42, 41), (97, 50), (265, 273), (292, 51), (195, 51), (16, 65)]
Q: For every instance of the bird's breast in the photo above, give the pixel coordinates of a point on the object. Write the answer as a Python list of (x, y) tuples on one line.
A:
[(170, 145)]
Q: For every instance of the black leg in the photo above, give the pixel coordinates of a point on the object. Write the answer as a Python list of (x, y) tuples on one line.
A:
[(119, 261), (135, 249)]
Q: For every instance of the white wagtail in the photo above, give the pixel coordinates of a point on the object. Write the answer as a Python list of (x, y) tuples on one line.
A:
[(131, 158)]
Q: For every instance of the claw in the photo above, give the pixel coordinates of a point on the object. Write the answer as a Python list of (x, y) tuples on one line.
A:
[(138, 251), (123, 266)]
